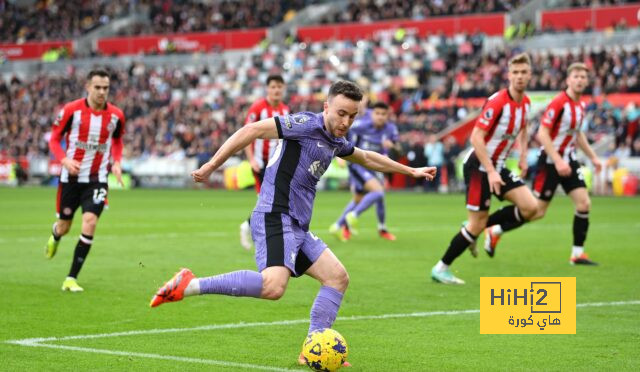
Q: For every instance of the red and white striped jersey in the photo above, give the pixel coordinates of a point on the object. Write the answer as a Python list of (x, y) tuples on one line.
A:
[(88, 134), (503, 119), (261, 110), (563, 117)]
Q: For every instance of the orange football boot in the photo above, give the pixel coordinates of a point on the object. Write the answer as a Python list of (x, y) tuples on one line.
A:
[(173, 290)]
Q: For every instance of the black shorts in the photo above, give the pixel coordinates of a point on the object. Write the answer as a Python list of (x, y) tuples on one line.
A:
[(547, 178), (477, 183), (258, 176), (92, 196)]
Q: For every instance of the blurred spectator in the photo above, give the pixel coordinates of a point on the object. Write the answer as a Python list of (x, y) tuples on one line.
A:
[(594, 3), (374, 10), (635, 149), (188, 111), (434, 152), (182, 16), (55, 19)]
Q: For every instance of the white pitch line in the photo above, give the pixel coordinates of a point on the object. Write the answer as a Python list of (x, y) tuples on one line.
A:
[(32, 341), (158, 356), (40, 342), (614, 303)]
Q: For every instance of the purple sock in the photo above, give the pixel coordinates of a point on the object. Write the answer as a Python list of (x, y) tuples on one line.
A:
[(380, 211), (347, 209), (367, 201), (325, 308), (243, 283)]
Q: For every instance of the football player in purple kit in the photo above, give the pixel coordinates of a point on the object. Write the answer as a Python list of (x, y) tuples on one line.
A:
[(280, 221), (371, 131)]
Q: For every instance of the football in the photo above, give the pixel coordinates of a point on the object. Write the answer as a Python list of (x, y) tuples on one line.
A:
[(325, 350)]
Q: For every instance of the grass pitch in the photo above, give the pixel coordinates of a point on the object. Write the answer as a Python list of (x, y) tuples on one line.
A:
[(147, 235)]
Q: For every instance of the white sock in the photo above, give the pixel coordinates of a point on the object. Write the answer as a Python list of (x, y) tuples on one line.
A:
[(245, 225), (381, 226), (577, 251), (496, 229), (441, 266), (193, 288)]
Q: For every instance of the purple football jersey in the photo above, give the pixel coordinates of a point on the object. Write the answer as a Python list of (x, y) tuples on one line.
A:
[(366, 136), (302, 156)]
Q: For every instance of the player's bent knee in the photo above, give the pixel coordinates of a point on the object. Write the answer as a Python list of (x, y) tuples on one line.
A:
[(339, 280), (274, 284), (539, 214), (63, 227), (583, 205), (342, 279), (528, 211), (89, 222), (476, 226), (273, 293)]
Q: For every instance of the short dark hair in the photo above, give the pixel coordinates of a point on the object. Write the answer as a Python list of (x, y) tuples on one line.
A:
[(347, 88), (380, 105), (98, 72), (277, 78)]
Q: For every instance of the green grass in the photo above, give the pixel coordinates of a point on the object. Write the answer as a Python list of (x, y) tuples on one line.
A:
[(147, 235)]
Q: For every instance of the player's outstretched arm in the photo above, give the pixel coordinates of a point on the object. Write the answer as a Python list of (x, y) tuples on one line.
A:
[(265, 129), (381, 163)]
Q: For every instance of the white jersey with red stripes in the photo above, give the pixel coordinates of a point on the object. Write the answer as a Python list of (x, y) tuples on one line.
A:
[(563, 117), (503, 119), (261, 110), (88, 134)]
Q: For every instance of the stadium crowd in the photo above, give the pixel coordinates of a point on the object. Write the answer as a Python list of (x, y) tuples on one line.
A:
[(65, 20), (56, 19), (373, 11), (182, 16), (187, 111)]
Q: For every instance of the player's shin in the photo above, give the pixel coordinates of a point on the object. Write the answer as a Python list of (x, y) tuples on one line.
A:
[(458, 244), (80, 254), (325, 308), (380, 212), (54, 232), (367, 201), (242, 283), (580, 228), (508, 218), (347, 209)]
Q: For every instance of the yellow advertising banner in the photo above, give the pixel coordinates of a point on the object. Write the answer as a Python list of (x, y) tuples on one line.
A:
[(527, 305)]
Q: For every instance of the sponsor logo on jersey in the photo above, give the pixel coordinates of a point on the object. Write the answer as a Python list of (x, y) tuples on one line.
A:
[(300, 119), (317, 169), (287, 121), (488, 114), (59, 117), (112, 124), (91, 146), (551, 113)]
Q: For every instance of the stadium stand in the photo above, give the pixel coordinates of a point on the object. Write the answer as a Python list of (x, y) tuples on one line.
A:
[(431, 81), (57, 19), (176, 112), (195, 16), (372, 11)]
